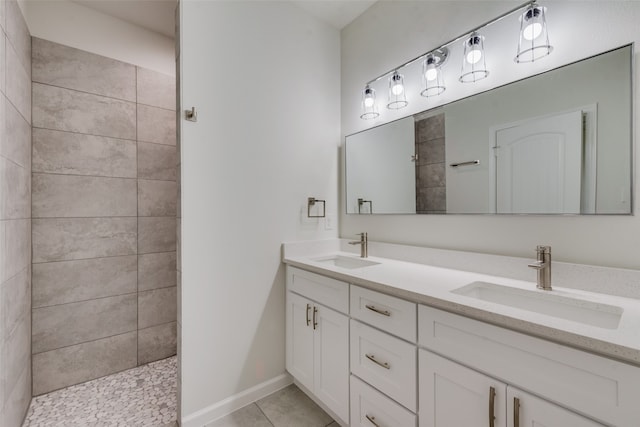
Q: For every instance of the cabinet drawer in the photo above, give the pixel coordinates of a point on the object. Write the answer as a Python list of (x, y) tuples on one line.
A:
[(598, 387), (393, 315), (330, 292), (369, 406), (385, 362)]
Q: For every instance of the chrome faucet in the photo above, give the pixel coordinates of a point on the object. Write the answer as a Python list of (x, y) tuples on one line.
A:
[(543, 265), (364, 245)]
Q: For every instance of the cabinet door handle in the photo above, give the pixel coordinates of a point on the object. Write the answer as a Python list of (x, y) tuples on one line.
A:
[(377, 310), (371, 357), (372, 420), (492, 398), (308, 308), (315, 322), (516, 412)]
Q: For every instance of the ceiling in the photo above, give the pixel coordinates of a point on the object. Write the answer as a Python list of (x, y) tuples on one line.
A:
[(158, 15)]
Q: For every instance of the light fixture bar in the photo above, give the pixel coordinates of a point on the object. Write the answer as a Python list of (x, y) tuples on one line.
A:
[(450, 42)]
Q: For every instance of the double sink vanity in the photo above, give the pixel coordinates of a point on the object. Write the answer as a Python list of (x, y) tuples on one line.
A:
[(433, 338)]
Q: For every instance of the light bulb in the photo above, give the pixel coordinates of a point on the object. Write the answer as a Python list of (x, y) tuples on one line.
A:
[(431, 73), (397, 89), (368, 101), (532, 31), (474, 55)]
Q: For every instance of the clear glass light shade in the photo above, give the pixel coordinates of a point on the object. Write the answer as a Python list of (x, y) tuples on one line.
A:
[(474, 65), (397, 95), (369, 107), (533, 43), (432, 78)]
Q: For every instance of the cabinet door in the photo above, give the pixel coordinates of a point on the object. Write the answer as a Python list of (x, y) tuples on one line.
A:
[(524, 409), (331, 351), (453, 395), (299, 339)]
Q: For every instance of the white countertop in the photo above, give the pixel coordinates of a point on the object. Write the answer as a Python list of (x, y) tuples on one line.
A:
[(432, 285)]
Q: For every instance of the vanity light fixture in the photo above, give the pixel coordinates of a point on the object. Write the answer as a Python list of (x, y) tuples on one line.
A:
[(432, 75), (533, 43), (369, 107), (397, 95), (474, 64)]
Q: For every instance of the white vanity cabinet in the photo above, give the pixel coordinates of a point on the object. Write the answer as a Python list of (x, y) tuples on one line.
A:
[(575, 386), (383, 360), (317, 337), (454, 395)]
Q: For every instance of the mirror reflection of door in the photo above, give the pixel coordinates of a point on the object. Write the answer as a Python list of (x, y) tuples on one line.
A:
[(538, 165)]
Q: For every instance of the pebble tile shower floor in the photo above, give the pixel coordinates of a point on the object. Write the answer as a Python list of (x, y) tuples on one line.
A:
[(142, 396), (146, 396)]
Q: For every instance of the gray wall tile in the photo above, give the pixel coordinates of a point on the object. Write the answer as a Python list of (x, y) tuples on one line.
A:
[(179, 244), (56, 196), (179, 296), (65, 109), (156, 234), (156, 89), (71, 68), (15, 302), (62, 239), (156, 271), (156, 161), (156, 307), (3, 15), (156, 342), (68, 324), (80, 280), (156, 198), (15, 189), (15, 142), (156, 125), (17, 402), (79, 154), (3, 61), (72, 365), (15, 354), (18, 33), (18, 84), (15, 247)]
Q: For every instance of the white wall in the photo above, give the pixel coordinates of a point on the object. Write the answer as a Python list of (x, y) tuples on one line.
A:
[(74, 25), (391, 32), (265, 79)]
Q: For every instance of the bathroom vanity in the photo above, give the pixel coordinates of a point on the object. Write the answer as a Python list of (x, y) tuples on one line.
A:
[(386, 342)]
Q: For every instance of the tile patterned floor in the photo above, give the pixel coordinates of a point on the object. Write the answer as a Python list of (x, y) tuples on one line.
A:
[(146, 396), (142, 396), (289, 407)]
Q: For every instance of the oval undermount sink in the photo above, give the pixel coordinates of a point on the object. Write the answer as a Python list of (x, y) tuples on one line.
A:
[(345, 261), (586, 312)]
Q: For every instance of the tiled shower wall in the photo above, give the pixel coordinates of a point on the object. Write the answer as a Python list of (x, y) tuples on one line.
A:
[(15, 215), (104, 216), (430, 168)]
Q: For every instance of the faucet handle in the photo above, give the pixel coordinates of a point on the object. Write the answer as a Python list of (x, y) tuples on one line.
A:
[(543, 249)]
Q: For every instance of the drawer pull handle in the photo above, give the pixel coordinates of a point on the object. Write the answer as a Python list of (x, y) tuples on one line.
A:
[(371, 357), (308, 308), (315, 321), (492, 398), (372, 420), (516, 412), (379, 311)]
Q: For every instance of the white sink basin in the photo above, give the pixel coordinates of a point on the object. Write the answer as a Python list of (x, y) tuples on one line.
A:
[(547, 303), (345, 261)]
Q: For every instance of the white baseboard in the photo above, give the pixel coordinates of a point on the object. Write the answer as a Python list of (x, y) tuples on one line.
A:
[(235, 402)]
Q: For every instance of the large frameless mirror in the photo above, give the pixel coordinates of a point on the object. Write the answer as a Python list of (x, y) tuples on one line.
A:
[(555, 143)]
